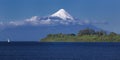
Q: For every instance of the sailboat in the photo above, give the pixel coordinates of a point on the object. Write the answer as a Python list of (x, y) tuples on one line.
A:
[(8, 41)]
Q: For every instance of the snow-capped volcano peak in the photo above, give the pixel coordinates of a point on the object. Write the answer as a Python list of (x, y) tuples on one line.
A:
[(62, 14)]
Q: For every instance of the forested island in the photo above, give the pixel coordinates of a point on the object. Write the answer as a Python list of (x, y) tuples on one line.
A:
[(85, 35)]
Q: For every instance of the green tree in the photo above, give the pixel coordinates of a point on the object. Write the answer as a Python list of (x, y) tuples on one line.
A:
[(112, 34), (86, 31), (71, 34), (101, 33)]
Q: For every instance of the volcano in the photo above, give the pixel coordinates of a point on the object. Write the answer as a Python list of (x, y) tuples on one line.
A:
[(36, 28)]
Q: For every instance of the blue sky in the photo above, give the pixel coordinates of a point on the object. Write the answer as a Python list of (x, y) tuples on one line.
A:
[(93, 10)]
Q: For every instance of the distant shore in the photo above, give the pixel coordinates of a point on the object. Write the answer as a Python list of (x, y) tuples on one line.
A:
[(85, 35)]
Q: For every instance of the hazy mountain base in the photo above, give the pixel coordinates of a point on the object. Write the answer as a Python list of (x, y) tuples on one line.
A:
[(84, 38)]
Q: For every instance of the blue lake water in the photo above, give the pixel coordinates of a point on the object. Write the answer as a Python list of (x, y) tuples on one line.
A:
[(59, 51)]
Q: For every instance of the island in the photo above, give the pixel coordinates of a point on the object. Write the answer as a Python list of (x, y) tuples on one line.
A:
[(84, 35)]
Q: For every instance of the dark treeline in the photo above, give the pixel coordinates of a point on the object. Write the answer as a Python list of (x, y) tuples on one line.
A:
[(93, 32)]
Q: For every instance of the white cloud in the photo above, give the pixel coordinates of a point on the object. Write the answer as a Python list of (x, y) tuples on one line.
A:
[(35, 20), (46, 21), (16, 23), (91, 22)]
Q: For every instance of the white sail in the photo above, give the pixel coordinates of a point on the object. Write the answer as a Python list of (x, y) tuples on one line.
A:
[(8, 40)]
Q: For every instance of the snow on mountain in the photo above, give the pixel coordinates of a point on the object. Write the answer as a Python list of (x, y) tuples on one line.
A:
[(63, 15)]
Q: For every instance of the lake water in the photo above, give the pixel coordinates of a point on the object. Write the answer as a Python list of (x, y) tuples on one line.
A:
[(59, 51)]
